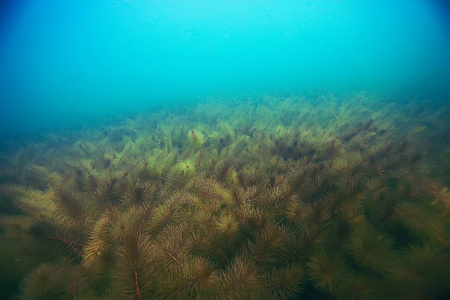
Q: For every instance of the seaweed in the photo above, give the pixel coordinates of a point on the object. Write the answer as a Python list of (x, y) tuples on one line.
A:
[(308, 196)]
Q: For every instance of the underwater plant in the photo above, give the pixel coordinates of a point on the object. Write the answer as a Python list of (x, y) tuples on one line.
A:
[(196, 138), (185, 167), (300, 197)]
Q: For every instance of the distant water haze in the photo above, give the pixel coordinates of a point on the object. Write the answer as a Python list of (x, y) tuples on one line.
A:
[(62, 62)]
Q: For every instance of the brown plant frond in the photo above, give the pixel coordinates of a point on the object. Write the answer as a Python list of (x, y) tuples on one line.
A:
[(267, 244), (43, 283), (240, 278), (162, 216), (227, 225), (58, 238), (371, 250), (284, 283), (326, 271), (99, 241), (210, 192), (69, 204), (421, 221), (198, 279), (302, 245), (134, 274), (109, 192)]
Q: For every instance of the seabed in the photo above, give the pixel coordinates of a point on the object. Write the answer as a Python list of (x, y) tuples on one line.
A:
[(311, 196)]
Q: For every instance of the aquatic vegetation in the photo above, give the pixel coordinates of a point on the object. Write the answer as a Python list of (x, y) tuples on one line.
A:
[(291, 197), (186, 167), (326, 271), (196, 138)]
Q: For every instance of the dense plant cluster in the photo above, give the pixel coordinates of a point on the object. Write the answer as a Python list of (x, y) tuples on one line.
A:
[(271, 198)]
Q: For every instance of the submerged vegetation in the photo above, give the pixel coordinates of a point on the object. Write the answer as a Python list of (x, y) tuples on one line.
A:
[(273, 198)]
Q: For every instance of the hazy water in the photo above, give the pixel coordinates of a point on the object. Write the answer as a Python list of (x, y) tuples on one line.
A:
[(62, 62)]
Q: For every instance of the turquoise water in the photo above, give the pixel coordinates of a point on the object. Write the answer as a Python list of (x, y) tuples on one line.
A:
[(224, 149), (64, 61)]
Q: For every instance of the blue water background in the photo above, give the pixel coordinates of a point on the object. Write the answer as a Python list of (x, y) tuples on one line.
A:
[(66, 62)]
